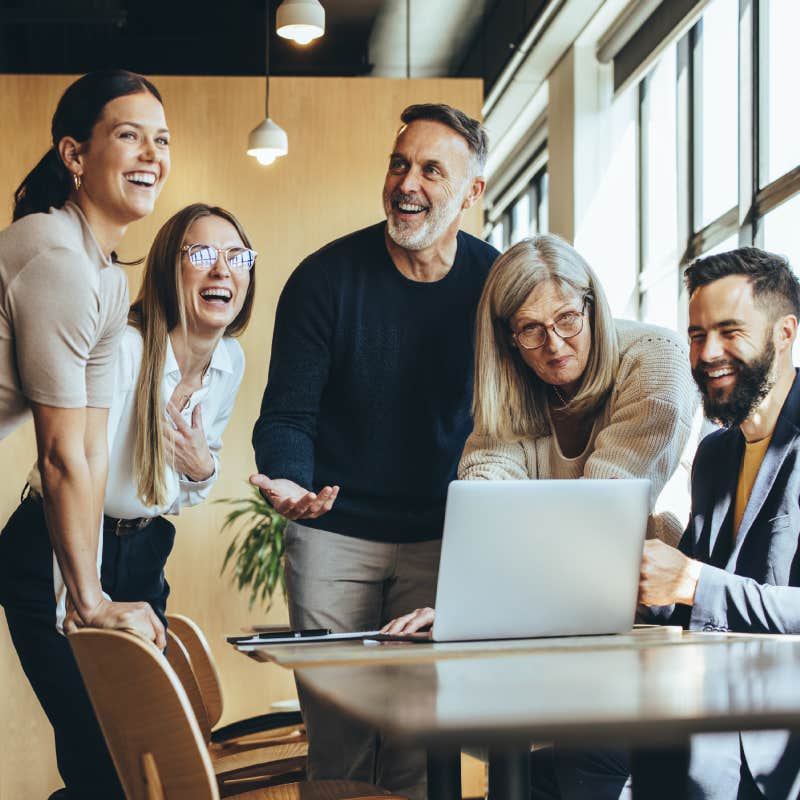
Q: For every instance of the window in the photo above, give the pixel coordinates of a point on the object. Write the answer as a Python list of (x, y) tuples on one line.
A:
[(731, 243), (497, 235), (542, 200), (719, 155), (715, 67), (521, 217), (780, 231), (520, 212), (779, 140), (658, 148)]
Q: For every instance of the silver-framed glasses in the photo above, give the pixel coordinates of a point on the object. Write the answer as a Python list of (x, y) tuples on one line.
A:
[(204, 256)]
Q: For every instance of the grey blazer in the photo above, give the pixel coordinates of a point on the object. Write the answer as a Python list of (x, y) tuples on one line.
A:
[(750, 584)]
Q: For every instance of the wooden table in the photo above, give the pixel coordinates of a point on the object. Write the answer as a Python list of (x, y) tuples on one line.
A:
[(649, 690)]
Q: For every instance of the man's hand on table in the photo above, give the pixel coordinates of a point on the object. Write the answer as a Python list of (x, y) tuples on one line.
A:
[(410, 623), (667, 576), (293, 501)]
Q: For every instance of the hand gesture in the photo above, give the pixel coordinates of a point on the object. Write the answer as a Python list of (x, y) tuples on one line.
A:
[(138, 618), (293, 501), (186, 445), (410, 623), (667, 576)]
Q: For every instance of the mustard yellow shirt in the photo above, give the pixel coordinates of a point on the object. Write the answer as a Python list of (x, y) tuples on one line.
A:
[(751, 462)]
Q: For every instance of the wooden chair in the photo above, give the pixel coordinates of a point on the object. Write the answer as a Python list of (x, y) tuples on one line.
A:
[(273, 728), (284, 760), (152, 733)]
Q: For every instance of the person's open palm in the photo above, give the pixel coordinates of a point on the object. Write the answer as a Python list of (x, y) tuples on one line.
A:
[(292, 501)]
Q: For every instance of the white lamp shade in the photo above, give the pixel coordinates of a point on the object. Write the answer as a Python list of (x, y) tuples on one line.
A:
[(301, 20), (267, 142)]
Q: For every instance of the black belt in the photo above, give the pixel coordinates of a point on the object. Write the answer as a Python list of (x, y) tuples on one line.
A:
[(125, 527), (120, 527)]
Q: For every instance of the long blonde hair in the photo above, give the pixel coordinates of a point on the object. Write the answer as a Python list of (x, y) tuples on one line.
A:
[(510, 400), (158, 309)]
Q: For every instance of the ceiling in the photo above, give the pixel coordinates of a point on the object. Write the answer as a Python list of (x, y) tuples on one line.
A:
[(209, 37)]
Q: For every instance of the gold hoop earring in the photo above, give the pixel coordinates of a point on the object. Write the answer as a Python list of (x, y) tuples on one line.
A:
[(76, 179)]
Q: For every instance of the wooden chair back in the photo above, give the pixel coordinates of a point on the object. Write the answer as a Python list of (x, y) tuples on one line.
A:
[(202, 661), (146, 717), (178, 659)]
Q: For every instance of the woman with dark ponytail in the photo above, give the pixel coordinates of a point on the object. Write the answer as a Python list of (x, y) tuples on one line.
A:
[(63, 307)]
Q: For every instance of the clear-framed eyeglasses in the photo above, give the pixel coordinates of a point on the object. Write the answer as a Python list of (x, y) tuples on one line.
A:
[(204, 256), (569, 324)]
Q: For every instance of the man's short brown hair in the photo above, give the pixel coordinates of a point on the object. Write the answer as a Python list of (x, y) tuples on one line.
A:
[(470, 129)]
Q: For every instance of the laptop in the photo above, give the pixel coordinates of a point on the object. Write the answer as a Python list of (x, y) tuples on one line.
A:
[(525, 559), (534, 558)]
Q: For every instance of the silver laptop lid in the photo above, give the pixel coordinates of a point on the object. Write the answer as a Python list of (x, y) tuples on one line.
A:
[(540, 558)]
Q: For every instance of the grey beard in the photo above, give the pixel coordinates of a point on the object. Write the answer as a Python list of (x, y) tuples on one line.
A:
[(439, 219)]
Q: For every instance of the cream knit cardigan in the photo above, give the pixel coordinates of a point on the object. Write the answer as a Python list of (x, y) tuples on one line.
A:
[(644, 430)]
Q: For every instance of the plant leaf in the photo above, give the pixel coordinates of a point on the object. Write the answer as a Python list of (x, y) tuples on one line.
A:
[(255, 552)]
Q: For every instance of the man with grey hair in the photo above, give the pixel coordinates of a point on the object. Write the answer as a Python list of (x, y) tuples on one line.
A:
[(366, 411)]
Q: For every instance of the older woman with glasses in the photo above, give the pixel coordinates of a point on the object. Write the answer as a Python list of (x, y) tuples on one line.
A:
[(563, 390)]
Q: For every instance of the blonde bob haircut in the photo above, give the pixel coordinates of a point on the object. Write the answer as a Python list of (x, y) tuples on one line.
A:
[(159, 309), (510, 400)]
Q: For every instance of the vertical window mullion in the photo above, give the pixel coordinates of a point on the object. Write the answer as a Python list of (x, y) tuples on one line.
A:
[(750, 139), (685, 157), (641, 194), (533, 208), (696, 121)]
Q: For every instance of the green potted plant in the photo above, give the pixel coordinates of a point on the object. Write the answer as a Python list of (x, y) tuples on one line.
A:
[(256, 550)]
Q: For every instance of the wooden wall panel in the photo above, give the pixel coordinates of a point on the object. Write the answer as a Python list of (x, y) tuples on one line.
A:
[(340, 134)]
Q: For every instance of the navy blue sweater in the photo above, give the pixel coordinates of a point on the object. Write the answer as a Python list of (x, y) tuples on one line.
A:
[(370, 385)]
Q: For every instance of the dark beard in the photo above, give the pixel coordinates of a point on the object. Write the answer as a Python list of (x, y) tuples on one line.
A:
[(753, 383)]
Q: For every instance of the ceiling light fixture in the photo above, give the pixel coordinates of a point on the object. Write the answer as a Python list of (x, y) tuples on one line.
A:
[(301, 20), (267, 141)]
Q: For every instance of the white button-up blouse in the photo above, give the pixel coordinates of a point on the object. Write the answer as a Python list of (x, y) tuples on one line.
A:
[(215, 397)]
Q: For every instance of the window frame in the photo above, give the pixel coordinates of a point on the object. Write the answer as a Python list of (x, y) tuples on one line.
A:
[(528, 182), (745, 219)]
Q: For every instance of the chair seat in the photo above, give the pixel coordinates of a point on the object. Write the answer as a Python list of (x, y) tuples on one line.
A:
[(266, 738), (264, 724), (321, 790), (272, 760)]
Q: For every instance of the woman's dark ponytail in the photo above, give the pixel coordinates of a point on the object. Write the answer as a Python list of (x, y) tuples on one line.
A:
[(49, 183), (46, 186)]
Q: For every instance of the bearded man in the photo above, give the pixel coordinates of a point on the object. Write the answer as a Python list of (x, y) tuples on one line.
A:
[(366, 412), (736, 566)]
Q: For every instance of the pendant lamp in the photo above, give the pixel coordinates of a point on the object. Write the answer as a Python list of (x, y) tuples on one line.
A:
[(301, 20), (267, 141)]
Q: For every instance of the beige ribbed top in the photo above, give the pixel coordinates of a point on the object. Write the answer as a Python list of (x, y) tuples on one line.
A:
[(63, 306), (643, 431)]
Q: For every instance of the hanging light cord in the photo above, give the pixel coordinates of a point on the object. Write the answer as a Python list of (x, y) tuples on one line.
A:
[(266, 56)]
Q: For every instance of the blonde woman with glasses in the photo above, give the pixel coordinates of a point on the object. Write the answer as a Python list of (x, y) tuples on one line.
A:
[(563, 390), (178, 372)]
